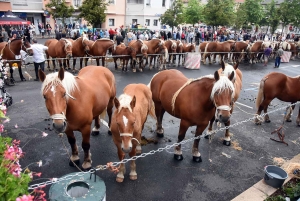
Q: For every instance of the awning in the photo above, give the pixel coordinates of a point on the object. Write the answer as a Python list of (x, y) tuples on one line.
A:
[(10, 19)]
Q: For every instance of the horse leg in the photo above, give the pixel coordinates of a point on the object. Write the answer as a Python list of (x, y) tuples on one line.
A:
[(81, 61), (96, 129), (86, 132), (150, 66), (68, 64), (184, 125), (20, 72), (74, 63), (298, 118), (263, 106), (54, 64), (103, 61), (115, 61), (289, 113), (72, 141), (133, 174), (48, 60), (126, 63), (97, 61), (196, 154), (210, 128), (122, 169), (109, 110), (159, 112), (226, 140), (11, 71)]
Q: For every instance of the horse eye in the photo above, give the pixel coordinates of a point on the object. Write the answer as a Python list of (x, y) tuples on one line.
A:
[(64, 94), (45, 97)]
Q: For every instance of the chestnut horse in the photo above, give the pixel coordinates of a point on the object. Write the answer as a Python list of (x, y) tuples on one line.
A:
[(179, 51), (141, 49), (187, 47), (226, 70), (194, 101), (157, 46), (11, 51), (254, 50), (80, 48), (100, 48), (202, 49), (132, 109), (73, 103), (280, 86), (61, 49), (239, 50), (171, 45), (217, 48), (123, 50)]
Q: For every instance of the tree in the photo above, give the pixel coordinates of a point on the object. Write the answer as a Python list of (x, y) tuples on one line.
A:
[(219, 12), (93, 11), (253, 11), (241, 17), (271, 18), (174, 15), (286, 15), (59, 9), (294, 8), (193, 12)]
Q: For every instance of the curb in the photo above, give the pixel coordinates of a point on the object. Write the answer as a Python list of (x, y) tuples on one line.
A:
[(260, 191)]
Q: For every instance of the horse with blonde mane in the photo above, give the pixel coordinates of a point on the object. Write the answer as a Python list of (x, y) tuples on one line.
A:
[(157, 46), (73, 102), (132, 109), (80, 48), (194, 101), (226, 70), (141, 49), (280, 86)]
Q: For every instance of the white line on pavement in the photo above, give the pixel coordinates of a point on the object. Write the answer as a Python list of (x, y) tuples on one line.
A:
[(244, 105)]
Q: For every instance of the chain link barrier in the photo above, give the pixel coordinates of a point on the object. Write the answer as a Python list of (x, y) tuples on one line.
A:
[(143, 155)]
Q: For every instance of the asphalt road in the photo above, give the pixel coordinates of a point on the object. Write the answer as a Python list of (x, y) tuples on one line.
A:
[(224, 173)]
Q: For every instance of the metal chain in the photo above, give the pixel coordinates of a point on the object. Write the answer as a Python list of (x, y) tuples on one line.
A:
[(104, 167)]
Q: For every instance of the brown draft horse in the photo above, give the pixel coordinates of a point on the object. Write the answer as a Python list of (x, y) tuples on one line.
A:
[(157, 46), (61, 49), (217, 48), (254, 50), (132, 109), (73, 103), (80, 48), (194, 101), (179, 51), (239, 50), (99, 48), (202, 49), (171, 45), (11, 51), (141, 49), (294, 50), (123, 50), (282, 87), (187, 47), (226, 70)]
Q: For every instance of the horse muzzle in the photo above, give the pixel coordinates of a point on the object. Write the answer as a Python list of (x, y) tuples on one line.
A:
[(59, 125), (223, 113)]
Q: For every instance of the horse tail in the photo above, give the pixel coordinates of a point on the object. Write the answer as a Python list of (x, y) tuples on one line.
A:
[(205, 50), (260, 94), (152, 109)]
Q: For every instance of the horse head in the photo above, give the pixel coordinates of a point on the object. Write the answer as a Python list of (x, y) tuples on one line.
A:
[(85, 44), (27, 47), (125, 120), (228, 69), (67, 47), (144, 49), (222, 96), (56, 90), (193, 47), (173, 46), (132, 52)]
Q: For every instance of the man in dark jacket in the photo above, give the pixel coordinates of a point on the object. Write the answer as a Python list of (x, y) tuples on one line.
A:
[(119, 38)]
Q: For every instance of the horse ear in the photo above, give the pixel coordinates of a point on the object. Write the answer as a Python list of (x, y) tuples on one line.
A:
[(61, 73), (132, 103), (231, 76), (117, 103), (223, 64), (217, 76), (42, 75), (236, 65)]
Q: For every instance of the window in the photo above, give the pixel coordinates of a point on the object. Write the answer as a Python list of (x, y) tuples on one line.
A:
[(155, 22), (134, 21), (111, 22), (148, 2), (111, 1), (163, 3), (147, 22), (77, 3), (136, 1)]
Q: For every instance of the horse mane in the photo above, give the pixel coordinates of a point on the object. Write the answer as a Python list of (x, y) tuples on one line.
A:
[(69, 82), (68, 43), (228, 70), (189, 81), (188, 45), (222, 84), (125, 101), (174, 45), (180, 43), (144, 46)]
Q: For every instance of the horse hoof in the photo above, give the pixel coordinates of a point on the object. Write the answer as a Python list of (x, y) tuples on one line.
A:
[(133, 177), (288, 120), (86, 169), (134, 70), (95, 133), (268, 121), (23, 79), (257, 123), (120, 180), (197, 159), (227, 143), (178, 157), (109, 132), (71, 163), (141, 70)]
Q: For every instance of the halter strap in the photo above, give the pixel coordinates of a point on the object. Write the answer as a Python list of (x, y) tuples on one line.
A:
[(58, 116), (129, 135)]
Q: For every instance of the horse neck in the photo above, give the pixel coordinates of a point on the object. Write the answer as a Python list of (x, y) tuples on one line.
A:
[(15, 47)]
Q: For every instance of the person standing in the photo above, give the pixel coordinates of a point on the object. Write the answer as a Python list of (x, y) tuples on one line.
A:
[(279, 54), (267, 53), (119, 38), (38, 57), (48, 28)]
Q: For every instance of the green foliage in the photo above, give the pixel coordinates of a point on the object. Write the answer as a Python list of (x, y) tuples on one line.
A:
[(61, 9), (193, 12), (219, 12), (253, 11), (93, 11), (241, 17), (286, 14), (174, 15), (294, 8), (11, 186), (271, 17), (292, 191), (277, 198)]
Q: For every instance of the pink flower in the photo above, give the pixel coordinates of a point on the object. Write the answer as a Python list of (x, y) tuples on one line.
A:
[(37, 174), (44, 134), (1, 128), (6, 120), (25, 198)]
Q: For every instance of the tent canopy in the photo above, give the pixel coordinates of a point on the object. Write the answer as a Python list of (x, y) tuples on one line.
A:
[(10, 19)]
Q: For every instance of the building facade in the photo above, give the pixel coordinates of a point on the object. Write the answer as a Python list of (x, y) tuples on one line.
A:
[(115, 14)]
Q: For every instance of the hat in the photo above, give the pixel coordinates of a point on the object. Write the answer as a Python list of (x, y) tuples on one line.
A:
[(34, 40)]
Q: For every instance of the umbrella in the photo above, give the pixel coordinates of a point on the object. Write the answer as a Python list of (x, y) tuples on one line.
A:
[(10, 18)]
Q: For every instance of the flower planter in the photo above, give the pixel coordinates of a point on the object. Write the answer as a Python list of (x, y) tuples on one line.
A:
[(79, 188)]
